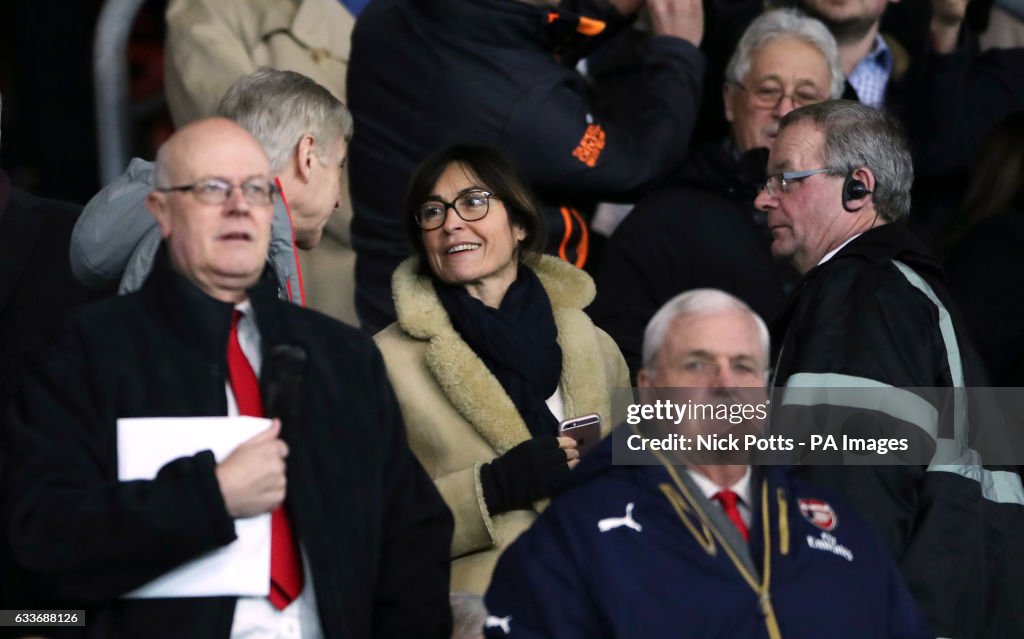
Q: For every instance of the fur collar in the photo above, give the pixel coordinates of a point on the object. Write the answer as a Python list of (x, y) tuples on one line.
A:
[(465, 379)]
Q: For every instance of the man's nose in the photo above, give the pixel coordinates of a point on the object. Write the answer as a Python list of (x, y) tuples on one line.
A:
[(724, 378), (764, 200), (236, 200), (783, 106)]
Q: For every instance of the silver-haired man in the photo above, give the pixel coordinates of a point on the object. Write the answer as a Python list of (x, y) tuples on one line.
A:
[(305, 131), (784, 60), (868, 347)]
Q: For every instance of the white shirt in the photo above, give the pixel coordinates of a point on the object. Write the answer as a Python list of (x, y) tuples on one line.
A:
[(556, 404), (741, 488), (256, 617), (832, 253)]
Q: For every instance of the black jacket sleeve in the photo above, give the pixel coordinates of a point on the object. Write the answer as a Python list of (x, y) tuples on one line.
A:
[(80, 534), (412, 590), (566, 148)]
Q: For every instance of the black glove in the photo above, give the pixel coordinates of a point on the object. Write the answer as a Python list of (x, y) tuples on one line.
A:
[(528, 472)]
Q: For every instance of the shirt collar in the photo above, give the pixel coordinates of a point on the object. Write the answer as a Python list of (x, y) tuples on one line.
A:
[(709, 488), (880, 55), (871, 75), (832, 253)]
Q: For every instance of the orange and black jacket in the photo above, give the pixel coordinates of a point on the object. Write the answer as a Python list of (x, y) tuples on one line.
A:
[(425, 74)]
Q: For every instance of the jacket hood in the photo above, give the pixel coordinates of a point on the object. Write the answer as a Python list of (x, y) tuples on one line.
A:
[(115, 238)]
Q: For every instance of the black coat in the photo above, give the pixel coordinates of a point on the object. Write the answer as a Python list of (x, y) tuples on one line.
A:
[(986, 276), (37, 287), (374, 528), (702, 231), (426, 74), (870, 348)]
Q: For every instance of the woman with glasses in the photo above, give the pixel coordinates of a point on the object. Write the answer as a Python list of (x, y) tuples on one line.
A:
[(491, 351)]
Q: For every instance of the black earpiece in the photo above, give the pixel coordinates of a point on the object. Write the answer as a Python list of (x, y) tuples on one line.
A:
[(853, 189)]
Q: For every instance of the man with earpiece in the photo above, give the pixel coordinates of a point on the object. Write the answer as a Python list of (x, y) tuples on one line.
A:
[(870, 346)]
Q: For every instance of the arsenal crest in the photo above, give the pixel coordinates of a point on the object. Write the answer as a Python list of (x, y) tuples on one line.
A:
[(819, 513)]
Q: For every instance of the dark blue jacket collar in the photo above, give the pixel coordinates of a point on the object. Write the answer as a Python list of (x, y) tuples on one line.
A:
[(189, 312)]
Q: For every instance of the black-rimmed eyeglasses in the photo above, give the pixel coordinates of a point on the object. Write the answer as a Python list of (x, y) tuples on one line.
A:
[(780, 182), (256, 191), (470, 206)]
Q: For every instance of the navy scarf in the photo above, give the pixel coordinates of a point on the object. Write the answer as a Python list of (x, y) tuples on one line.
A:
[(517, 342)]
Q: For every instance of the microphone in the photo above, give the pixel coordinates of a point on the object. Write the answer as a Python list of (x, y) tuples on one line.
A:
[(282, 380)]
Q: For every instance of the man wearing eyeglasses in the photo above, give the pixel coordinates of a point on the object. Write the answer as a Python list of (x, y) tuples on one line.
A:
[(305, 130), (359, 538), (702, 230), (871, 347)]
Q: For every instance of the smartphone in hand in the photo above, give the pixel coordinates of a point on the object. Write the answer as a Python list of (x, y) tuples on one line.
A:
[(586, 430)]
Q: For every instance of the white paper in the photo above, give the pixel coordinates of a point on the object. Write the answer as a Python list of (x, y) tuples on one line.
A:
[(242, 568)]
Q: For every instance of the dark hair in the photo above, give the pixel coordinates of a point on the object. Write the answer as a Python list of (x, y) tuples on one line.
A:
[(495, 172)]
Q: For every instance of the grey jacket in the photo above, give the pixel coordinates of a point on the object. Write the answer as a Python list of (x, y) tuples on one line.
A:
[(116, 238)]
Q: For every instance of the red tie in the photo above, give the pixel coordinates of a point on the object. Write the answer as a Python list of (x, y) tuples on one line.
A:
[(729, 499), (285, 565)]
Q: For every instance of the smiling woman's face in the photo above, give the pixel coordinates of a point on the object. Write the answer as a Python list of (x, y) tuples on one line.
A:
[(480, 255)]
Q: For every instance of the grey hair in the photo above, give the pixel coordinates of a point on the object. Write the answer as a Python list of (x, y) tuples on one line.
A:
[(279, 107), (699, 301), (468, 615), (786, 23), (858, 136), (161, 174)]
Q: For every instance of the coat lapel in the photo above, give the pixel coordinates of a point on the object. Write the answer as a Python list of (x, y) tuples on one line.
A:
[(584, 382)]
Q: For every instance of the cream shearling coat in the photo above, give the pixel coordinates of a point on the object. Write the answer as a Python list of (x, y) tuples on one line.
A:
[(459, 417)]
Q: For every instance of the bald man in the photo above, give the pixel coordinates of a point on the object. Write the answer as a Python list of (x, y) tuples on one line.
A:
[(359, 536)]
